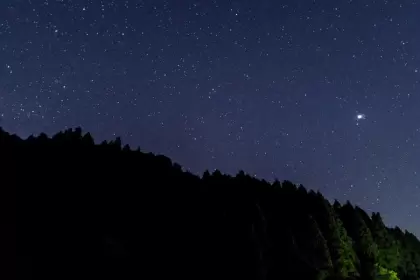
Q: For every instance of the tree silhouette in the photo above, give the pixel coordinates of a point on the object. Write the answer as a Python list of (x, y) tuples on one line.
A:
[(103, 211)]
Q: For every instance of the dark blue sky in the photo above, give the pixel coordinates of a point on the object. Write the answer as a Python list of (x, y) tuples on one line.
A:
[(270, 87)]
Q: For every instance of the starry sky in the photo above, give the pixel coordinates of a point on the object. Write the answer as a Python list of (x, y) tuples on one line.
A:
[(323, 93)]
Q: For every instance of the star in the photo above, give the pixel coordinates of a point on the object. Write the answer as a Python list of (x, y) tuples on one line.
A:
[(360, 116)]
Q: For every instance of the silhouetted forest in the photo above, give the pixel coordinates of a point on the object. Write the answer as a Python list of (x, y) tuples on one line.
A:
[(102, 211)]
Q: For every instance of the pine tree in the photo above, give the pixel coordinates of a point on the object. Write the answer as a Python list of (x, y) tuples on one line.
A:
[(313, 247), (340, 245), (364, 245), (388, 254)]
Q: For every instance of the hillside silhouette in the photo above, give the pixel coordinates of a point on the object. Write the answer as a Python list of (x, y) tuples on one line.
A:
[(103, 211)]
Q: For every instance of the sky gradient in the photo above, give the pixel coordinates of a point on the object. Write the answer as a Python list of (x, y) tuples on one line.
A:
[(323, 93)]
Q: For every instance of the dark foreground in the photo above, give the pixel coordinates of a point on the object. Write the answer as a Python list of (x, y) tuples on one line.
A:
[(88, 211)]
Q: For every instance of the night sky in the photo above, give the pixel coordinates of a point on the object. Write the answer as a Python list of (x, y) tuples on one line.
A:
[(323, 93)]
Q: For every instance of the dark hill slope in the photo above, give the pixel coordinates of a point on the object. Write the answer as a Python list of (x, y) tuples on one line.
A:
[(87, 211)]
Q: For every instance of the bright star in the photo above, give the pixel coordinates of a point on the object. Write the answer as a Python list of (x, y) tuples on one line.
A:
[(361, 116)]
